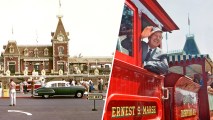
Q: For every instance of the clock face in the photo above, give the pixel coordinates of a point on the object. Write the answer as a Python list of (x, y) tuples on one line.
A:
[(60, 37)]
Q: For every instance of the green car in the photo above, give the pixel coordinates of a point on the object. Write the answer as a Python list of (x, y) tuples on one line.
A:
[(60, 88)]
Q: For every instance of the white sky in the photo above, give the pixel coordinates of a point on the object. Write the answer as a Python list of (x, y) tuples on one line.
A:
[(93, 25), (201, 18)]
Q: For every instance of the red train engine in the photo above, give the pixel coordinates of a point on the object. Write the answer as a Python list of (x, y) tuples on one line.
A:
[(135, 93)]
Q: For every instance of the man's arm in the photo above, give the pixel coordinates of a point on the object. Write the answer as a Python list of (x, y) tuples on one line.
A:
[(146, 32), (158, 66)]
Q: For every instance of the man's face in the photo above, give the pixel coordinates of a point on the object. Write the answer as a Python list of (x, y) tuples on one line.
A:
[(155, 39)]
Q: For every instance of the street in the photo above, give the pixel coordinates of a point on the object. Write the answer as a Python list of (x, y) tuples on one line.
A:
[(57, 108)]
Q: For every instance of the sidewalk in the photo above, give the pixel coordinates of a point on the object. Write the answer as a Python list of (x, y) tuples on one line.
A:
[(20, 95)]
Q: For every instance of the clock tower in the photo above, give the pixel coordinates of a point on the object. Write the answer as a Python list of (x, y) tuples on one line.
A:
[(60, 44)]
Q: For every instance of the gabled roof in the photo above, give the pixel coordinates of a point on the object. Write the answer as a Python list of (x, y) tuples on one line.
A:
[(11, 44), (40, 49), (60, 30), (190, 46)]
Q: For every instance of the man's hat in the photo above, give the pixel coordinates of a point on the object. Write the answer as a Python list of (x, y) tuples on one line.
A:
[(155, 29)]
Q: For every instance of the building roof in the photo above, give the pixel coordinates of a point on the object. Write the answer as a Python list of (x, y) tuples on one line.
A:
[(91, 59), (190, 46), (190, 69)]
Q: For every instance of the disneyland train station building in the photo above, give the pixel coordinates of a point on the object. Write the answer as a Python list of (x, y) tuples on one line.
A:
[(51, 62)]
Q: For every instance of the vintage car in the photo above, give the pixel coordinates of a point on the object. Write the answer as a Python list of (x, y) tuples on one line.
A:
[(60, 88)]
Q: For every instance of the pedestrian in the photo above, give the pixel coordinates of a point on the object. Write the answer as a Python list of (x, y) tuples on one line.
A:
[(25, 86), (91, 86), (42, 83), (32, 86), (73, 82), (70, 82), (100, 85), (21, 88), (76, 82), (12, 86)]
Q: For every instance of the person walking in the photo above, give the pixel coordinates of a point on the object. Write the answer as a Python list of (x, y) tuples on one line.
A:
[(25, 86), (12, 86), (21, 87)]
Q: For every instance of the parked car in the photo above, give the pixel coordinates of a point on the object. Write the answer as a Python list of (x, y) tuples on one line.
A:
[(60, 88)]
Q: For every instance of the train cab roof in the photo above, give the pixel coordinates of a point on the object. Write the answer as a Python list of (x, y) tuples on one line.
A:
[(153, 10)]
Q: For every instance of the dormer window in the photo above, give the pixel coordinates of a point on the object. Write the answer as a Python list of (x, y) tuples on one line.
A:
[(60, 50), (26, 52), (36, 52), (46, 52), (11, 49)]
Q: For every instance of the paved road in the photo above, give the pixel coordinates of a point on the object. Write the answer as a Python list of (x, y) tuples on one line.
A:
[(51, 109)]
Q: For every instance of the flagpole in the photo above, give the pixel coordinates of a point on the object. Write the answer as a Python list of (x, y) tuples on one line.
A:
[(12, 36), (59, 10), (36, 37), (189, 23)]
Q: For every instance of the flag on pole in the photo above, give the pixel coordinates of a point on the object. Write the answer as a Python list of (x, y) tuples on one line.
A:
[(12, 30), (189, 23), (59, 3), (188, 20), (36, 36)]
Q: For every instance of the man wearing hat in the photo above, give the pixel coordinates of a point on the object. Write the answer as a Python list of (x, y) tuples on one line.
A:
[(152, 56)]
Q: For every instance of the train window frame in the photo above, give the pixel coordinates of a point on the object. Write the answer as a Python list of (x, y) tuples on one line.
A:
[(122, 56), (149, 21), (126, 33)]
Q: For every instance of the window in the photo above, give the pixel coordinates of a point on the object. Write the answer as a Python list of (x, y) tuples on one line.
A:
[(11, 49), (36, 52), (26, 65), (60, 50), (26, 52), (46, 52), (36, 67), (46, 65), (61, 84), (12, 66), (125, 38), (61, 66), (54, 85)]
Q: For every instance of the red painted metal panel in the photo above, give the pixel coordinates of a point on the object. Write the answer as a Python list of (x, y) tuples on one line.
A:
[(183, 99), (160, 13), (133, 107), (128, 84)]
